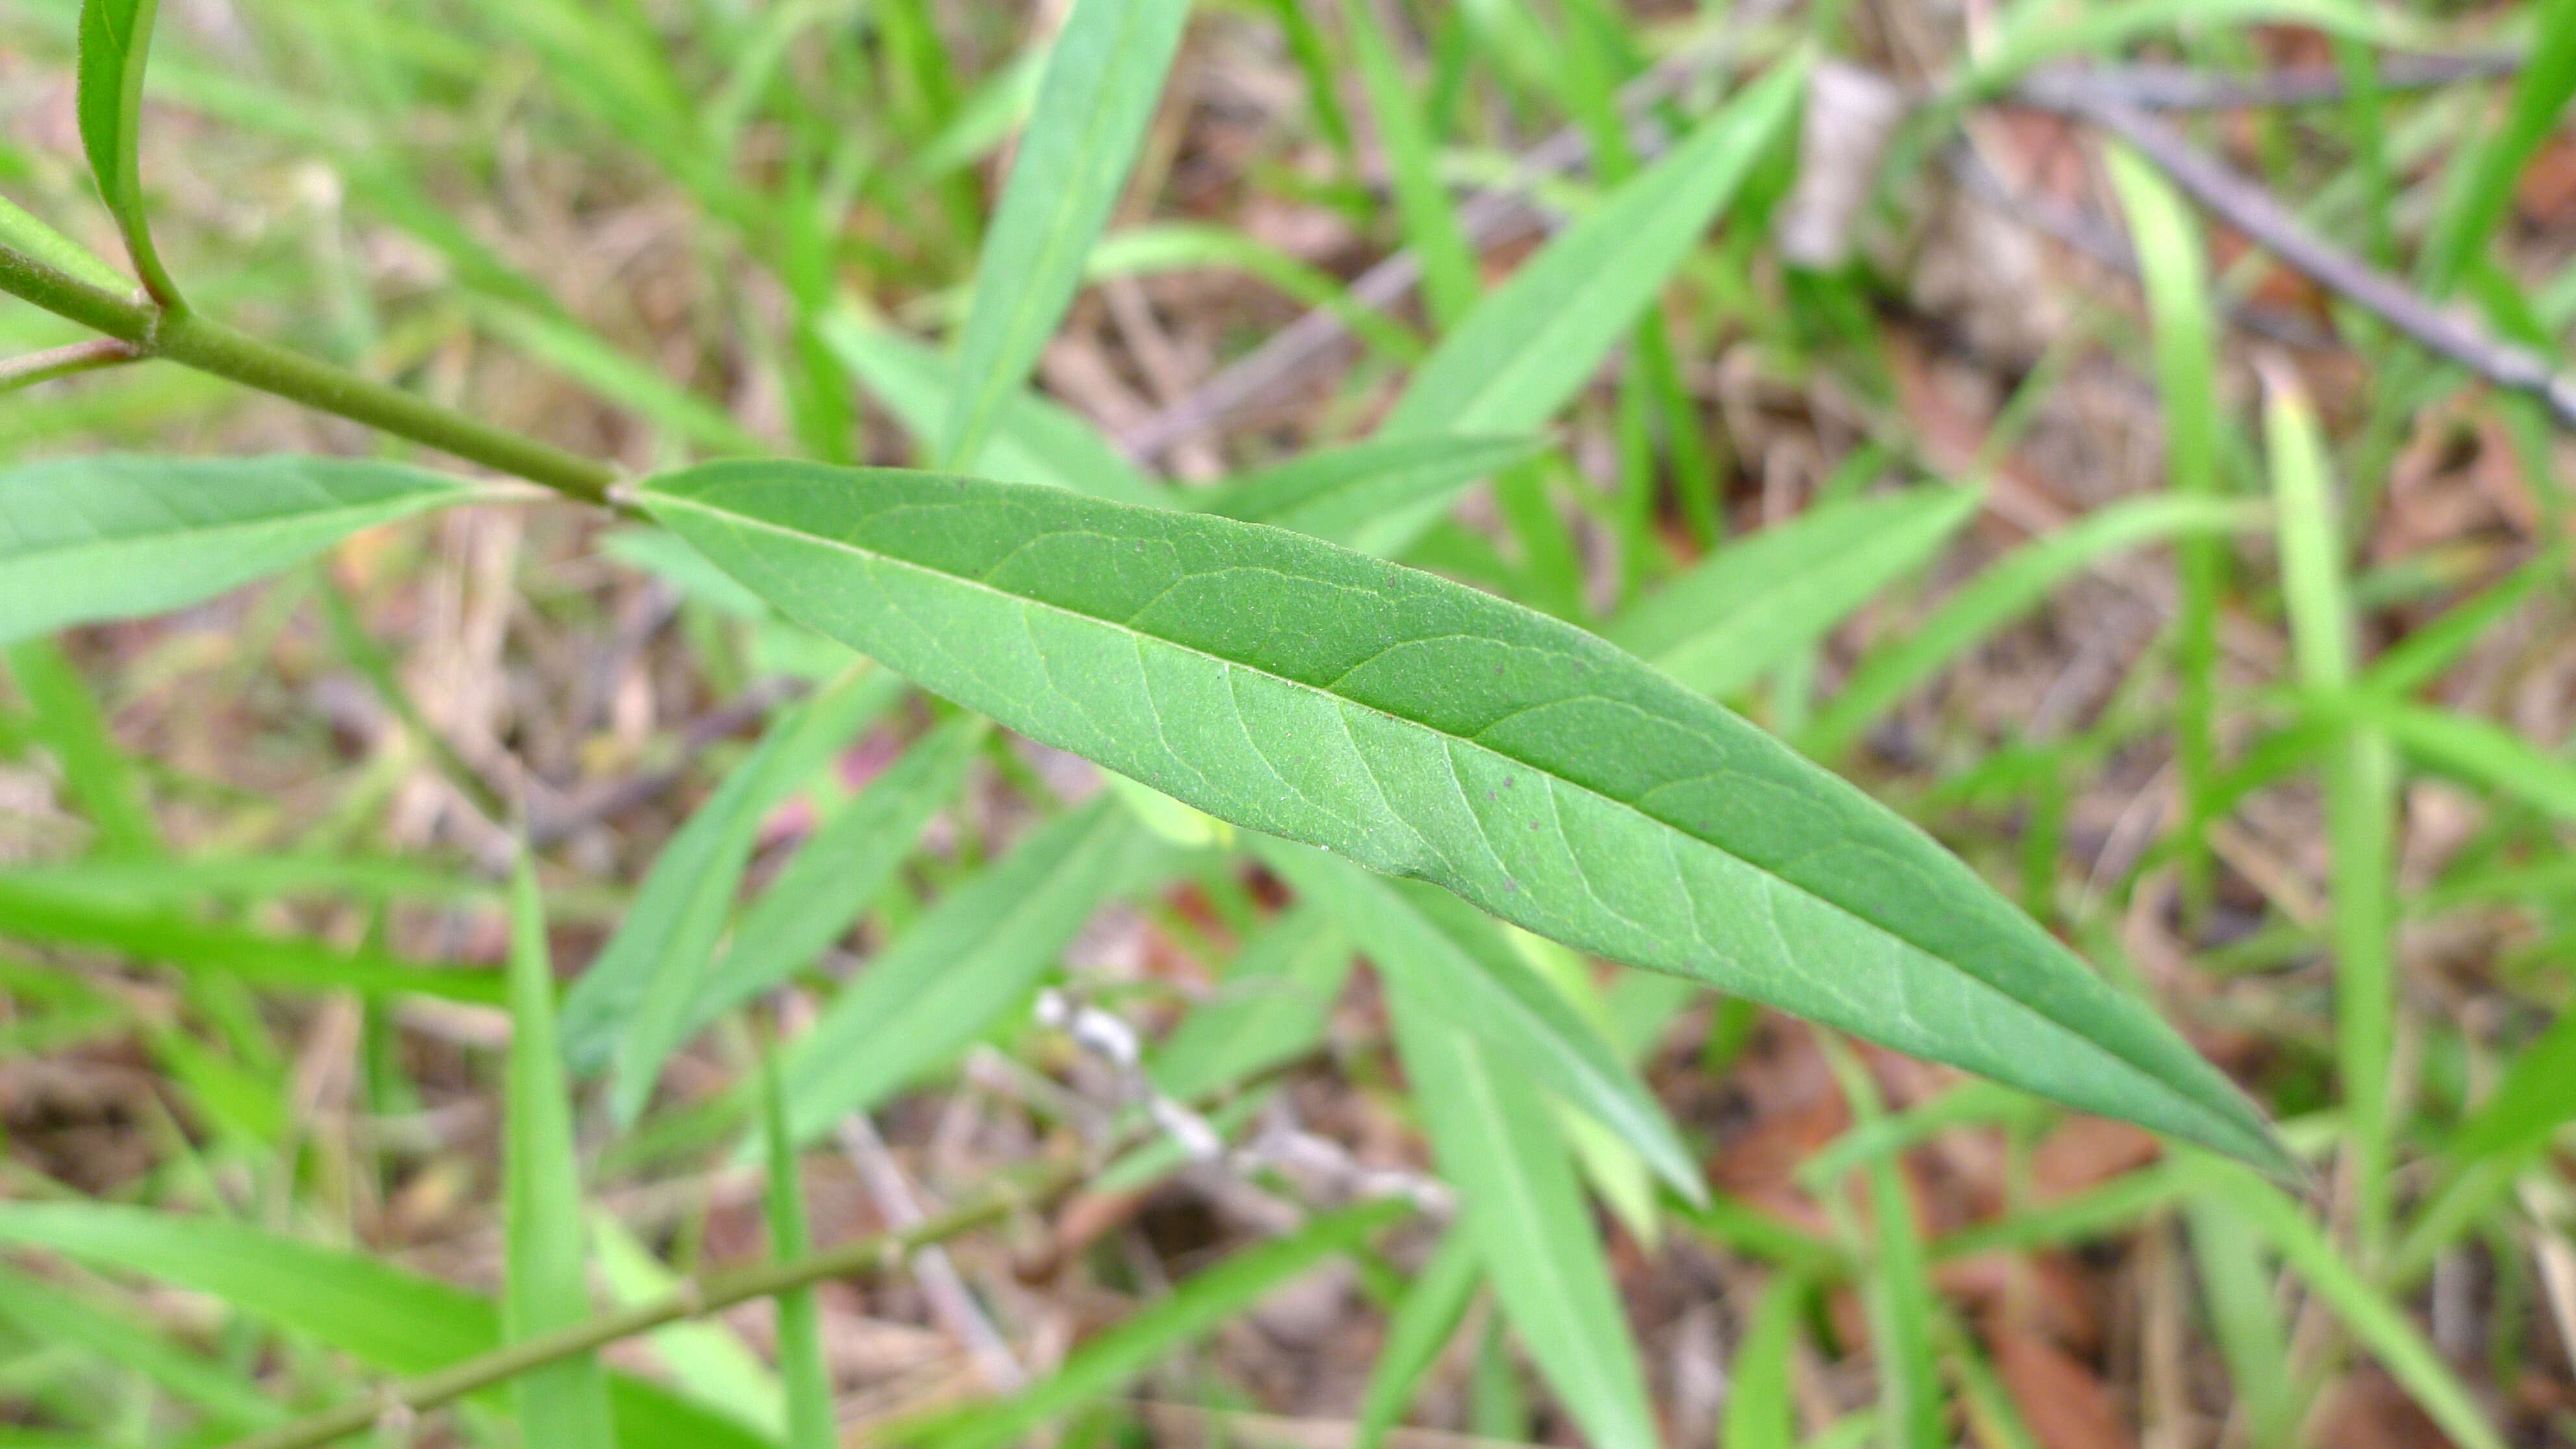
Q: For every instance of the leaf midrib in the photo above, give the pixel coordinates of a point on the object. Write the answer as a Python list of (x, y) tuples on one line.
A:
[(2146, 1074)]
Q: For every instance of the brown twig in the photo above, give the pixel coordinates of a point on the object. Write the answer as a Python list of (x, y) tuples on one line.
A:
[(90, 356), (2252, 210)]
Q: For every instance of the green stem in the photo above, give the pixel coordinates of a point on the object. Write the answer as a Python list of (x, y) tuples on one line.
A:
[(693, 1298), (209, 346)]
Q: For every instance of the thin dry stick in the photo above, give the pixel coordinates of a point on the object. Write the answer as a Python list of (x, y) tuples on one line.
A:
[(695, 1297), (2252, 210), (2180, 88), (951, 1302)]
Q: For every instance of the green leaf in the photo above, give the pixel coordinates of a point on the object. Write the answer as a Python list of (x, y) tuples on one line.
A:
[(545, 1286), (32, 910), (1032, 440), (1158, 248), (1534, 341), (2172, 260), (1759, 600), (976, 955), (115, 41), (1422, 728), (1424, 1321), (387, 1316), (1376, 497), (2237, 1292), (2481, 182), (706, 1360), (1272, 1007), (33, 239), (63, 1320), (1760, 1413), (97, 775), (2361, 801), (1452, 278), (811, 1423), (2535, 1099), (1102, 80), (1194, 1309), (2468, 748), (1497, 1144), (830, 881), (91, 538), (2374, 1322), (632, 1007), (1459, 965), (2007, 589)]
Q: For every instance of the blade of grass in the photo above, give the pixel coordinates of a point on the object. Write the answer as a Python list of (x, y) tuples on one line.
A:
[(631, 1008), (811, 1421), (546, 1286), (96, 773), (2171, 257), (2481, 184), (2006, 590), (1451, 274), (1424, 1321), (1102, 81), (1529, 345), (829, 882), (977, 954), (2360, 798), (2377, 1324), (1497, 1144), (2236, 1291), (1456, 964), (1753, 604), (1271, 1007), (1031, 440), (1373, 496), (1760, 1414), (37, 912)]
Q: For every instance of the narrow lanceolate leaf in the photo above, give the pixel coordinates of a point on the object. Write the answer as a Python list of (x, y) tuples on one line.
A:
[(978, 954), (1031, 440), (2535, 1099), (1530, 344), (383, 1315), (1495, 1138), (833, 877), (1422, 728), (545, 1288), (807, 1374), (85, 539), (33, 908), (1459, 965), (632, 1007), (1101, 84), (1758, 600), (115, 39), (2016, 584), (2481, 190), (1375, 496), (1423, 1322), (1272, 1007)]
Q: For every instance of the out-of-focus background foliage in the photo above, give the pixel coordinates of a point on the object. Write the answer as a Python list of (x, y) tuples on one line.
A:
[(655, 230)]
